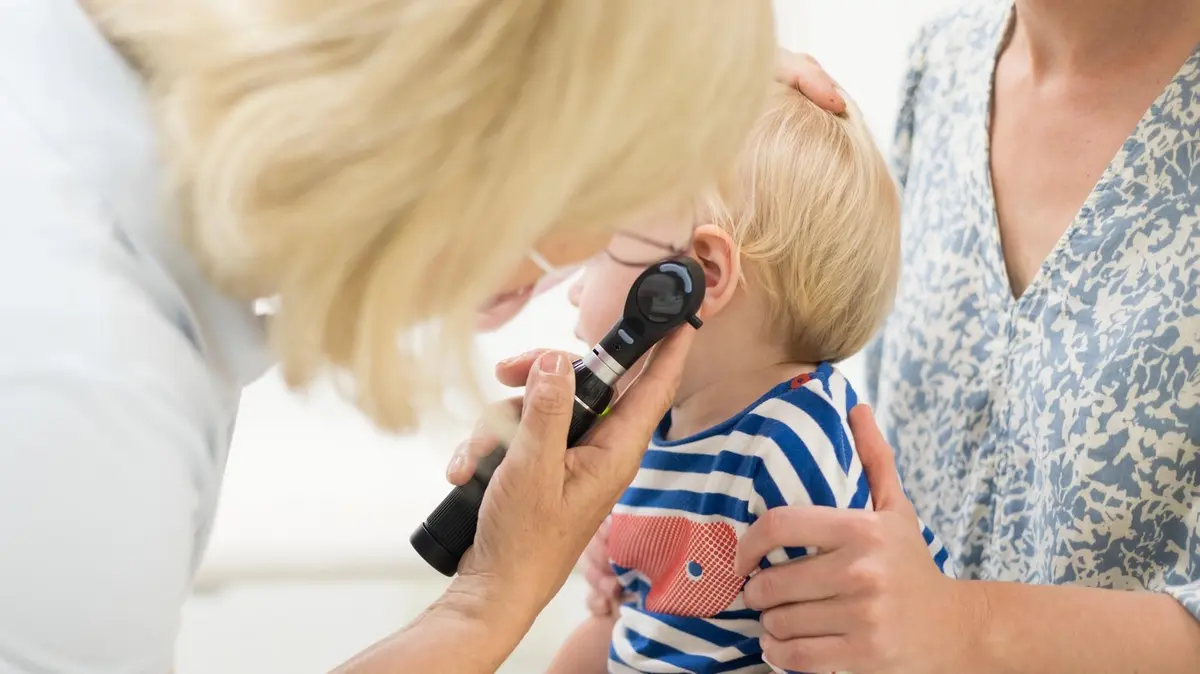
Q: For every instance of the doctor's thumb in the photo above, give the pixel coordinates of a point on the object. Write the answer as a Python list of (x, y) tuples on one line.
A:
[(541, 436)]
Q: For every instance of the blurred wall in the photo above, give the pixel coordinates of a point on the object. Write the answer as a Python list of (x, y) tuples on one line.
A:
[(310, 558)]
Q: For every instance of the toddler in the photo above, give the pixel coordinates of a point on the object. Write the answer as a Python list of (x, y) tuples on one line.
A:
[(801, 255)]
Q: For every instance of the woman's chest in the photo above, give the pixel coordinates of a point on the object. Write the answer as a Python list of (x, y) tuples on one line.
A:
[(1065, 423)]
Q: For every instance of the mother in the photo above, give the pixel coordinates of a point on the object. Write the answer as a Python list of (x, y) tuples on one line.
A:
[(1040, 377), (374, 166)]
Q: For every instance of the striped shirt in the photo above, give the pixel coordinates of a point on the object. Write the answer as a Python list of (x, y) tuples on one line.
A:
[(674, 532)]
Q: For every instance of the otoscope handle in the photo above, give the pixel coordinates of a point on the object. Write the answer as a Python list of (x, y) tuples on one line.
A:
[(449, 531)]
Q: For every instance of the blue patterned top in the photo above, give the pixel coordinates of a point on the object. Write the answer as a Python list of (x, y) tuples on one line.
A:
[(1053, 438)]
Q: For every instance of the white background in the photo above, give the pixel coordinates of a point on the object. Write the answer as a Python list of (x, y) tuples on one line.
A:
[(310, 559)]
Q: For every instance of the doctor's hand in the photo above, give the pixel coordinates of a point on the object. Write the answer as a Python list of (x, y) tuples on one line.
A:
[(872, 599), (513, 373), (803, 73), (543, 503)]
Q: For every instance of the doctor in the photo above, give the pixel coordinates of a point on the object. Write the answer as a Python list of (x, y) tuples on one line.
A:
[(373, 166)]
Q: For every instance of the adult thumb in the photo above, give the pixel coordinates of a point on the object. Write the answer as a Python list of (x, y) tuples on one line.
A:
[(541, 437), (878, 461)]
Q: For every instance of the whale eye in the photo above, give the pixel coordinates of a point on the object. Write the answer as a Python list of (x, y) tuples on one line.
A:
[(694, 570)]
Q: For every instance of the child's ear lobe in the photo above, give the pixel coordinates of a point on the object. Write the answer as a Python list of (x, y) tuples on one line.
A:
[(714, 249)]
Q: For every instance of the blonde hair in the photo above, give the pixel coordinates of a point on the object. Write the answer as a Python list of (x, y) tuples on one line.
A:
[(381, 165), (816, 217)]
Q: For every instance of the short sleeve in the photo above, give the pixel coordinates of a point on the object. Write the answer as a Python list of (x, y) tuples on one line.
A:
[(104, 459), (806, 457)]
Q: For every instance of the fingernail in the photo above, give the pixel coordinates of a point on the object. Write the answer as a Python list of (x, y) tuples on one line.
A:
[(553, 363), (457, 464)]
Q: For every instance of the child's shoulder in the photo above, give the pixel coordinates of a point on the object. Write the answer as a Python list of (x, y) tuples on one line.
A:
[(801, 437), (816, 403)]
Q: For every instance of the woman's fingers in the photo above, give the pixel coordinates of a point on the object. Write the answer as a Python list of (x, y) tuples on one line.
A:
[(808, 579), (830, 617), (514, 372), (541, 438), (816, 654), (466, 458), (481, 443), (802, 72), (800, 527), (878, 461)]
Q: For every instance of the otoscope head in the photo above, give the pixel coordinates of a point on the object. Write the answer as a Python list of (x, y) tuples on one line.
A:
[(664, 297)]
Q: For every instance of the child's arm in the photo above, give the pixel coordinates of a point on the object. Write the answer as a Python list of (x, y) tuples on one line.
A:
[(586, 650)]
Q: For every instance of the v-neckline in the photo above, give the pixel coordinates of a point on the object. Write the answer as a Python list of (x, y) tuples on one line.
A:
[(997, 265)]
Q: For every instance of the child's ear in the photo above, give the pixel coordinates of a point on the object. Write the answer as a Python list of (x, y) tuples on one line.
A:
[(716, 252)]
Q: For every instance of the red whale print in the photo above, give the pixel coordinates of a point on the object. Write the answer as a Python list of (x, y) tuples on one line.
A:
[(689, 564)]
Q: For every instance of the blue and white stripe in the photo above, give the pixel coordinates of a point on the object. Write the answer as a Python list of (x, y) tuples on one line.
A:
[(791, 447)]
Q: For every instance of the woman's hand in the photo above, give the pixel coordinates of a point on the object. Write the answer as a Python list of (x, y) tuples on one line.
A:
[(803, 73), (872, 600), (513, 373), (544, 502)]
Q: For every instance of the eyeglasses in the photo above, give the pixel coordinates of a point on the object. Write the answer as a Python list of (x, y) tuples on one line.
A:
[(626, 248), (638, 250)]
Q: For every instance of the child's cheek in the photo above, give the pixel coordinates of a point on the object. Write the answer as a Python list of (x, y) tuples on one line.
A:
[(599, 309)]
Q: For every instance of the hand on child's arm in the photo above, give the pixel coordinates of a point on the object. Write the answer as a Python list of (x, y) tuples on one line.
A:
[(874, 599), (586, 650)]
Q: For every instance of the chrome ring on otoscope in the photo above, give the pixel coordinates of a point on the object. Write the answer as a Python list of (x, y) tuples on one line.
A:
[(665, 296)]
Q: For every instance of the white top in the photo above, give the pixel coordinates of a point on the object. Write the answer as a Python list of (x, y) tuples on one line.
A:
[(120, 368)]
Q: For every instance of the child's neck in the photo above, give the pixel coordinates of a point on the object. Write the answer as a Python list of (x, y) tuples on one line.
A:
[(724, 388)]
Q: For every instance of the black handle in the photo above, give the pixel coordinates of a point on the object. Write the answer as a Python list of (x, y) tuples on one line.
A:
[(444, 537), (665, 296)]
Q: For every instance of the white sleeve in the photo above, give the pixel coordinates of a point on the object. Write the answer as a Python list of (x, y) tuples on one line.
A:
[(104, 458)]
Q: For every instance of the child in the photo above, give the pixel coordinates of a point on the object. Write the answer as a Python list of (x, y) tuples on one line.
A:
[(801, 260)]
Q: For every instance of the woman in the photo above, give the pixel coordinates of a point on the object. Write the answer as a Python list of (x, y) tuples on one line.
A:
[(1039, 376), (374, 167)]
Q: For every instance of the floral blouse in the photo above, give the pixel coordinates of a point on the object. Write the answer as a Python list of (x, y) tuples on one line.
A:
[(1053, 438)]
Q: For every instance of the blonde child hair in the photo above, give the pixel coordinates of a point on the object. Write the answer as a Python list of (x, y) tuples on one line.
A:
[(815, 214), (380, 165)]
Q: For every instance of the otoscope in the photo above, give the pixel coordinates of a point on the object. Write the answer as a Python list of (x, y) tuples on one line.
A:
[(664, 297)]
